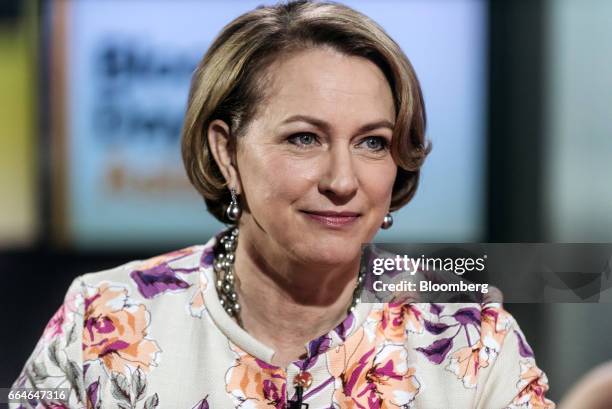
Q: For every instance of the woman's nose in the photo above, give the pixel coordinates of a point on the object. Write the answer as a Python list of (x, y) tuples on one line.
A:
[(339, 178)]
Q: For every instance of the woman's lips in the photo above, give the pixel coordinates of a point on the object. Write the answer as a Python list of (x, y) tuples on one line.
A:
[(333, 219)]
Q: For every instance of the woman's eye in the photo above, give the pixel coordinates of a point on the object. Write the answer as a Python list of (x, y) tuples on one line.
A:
[(375, 143), (303, 139)]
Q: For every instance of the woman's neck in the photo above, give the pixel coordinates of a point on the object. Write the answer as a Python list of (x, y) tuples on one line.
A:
[(285, 305)]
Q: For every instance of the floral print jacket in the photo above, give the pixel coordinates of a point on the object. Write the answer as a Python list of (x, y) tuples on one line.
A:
[(152, 334)]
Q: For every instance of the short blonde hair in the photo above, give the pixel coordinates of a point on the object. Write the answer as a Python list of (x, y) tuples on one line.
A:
[(227, 85)]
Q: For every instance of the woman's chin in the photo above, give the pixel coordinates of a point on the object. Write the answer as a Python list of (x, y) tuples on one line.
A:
[(329, 252)]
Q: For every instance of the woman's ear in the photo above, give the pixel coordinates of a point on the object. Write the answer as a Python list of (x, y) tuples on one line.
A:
[(219, 142)]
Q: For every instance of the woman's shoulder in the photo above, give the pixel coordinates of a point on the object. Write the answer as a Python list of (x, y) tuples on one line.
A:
[(474, 346), (473, 314), (151, 278), (436, 329)]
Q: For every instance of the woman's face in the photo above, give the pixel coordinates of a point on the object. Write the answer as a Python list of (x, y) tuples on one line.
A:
[(314, 164)]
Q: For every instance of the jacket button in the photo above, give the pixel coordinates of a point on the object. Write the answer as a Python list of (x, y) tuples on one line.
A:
[(303, 379)]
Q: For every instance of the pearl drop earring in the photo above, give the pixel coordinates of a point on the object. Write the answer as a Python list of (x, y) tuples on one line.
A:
[(233, 211)]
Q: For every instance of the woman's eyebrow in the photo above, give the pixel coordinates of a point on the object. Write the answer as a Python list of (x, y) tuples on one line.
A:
[(326, 126)]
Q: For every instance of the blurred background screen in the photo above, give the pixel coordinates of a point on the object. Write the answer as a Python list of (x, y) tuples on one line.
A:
[(19, 200), (125, 78)]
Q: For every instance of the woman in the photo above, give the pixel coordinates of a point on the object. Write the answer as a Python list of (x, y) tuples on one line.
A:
[(304, 129)]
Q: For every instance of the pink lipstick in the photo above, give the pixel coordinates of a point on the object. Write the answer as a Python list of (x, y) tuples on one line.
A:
[(333, 219)]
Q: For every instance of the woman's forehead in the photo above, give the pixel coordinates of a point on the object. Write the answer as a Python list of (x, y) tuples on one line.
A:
[(322, 82)]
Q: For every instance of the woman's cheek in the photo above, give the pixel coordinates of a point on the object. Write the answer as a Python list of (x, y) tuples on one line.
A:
[(377, 181), (291, 178)]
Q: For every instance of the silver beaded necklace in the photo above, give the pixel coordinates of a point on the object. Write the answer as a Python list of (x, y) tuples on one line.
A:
[(223, 266)]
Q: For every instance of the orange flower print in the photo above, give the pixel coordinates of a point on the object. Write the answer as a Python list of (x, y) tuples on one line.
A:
[(495, 323), (370, 374), (196, 305), (254, 383), (466, 362), (394, 319), (532, 385), (492, 323), (115, 331)]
